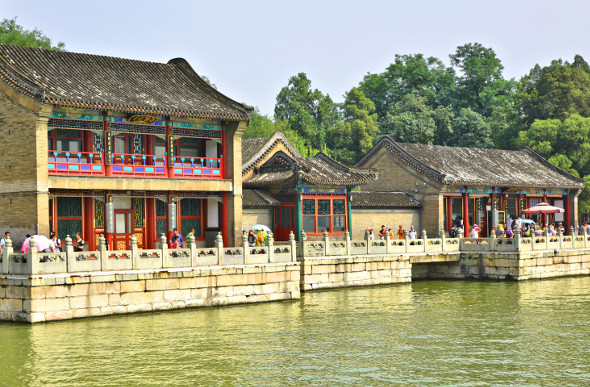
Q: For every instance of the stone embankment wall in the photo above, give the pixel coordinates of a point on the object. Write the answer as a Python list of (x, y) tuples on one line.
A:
[(344, 271), (509, 265), (66, 296)]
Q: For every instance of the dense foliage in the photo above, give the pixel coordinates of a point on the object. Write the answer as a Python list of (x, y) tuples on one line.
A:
[(468, 103), (12, 33)]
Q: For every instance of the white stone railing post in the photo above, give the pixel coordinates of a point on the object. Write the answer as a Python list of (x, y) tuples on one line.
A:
[(443, 238), (293, 246), (387, 242), (245, 248), (219, 246), (492, 239), (33, 259), (70, 257), (326, 244), (270, 242), (368, 239), (302, 243), (573, 236), (347, 240), (164, 247), (560, 233), (192, 245), (6, 252), (517, 239), (585, 234), (134, 252), (102, 249), (424, 238)]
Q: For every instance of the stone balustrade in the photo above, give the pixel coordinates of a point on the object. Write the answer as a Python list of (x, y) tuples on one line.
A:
[(70, 261), (164, 257), (327, 247)]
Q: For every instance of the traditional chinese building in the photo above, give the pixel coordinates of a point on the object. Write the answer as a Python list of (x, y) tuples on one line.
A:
[(96, 144), (483, 186), (314, 193)]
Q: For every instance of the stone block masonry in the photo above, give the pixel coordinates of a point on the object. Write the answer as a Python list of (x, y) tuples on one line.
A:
[(508, 265), (67, 296), (344, 271)]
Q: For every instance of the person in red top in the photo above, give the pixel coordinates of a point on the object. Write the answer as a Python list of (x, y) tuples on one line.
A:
[(382, 232)]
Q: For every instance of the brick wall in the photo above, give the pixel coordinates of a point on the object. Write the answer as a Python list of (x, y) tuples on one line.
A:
[(252, 216), (363, 218), (23, 165)]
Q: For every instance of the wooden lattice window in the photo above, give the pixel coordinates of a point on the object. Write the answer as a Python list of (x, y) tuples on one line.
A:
[(69, 216), (160, 218), (191, 216), (324, 213)]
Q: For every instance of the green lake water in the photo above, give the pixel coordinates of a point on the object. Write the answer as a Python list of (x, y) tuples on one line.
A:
[(424, 333)]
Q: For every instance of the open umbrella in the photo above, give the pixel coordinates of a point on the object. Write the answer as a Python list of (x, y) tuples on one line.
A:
[(260, 227), (41, 242), (543, 208), (527, 221)]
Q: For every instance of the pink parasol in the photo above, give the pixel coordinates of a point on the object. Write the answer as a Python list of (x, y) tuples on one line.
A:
[(42, 243), (543, 208)]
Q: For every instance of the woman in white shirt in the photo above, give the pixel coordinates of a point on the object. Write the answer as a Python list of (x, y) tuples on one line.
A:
[(474, 232)]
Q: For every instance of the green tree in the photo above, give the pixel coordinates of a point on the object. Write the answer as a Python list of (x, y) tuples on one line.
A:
[(411, 121), (471, 130), (351, 138), (569, 138), (480, 78), (260, 126), (410, 74), (555, 91), (14, 34), (308, 112)]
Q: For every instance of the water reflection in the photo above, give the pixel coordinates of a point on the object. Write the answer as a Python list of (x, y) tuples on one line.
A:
[(431, 332)]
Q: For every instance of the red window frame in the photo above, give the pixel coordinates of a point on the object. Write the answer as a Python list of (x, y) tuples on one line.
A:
[(52, 138), (317, 198), (200, 218)]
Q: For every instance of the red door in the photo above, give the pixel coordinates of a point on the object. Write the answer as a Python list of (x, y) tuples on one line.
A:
[(123, 229), (284, 221)]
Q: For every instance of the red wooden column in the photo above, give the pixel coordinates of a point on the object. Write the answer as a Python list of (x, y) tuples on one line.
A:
[(224, 234), (150, 205), (567, 212), (449, 211), (88, 223), (465, 214)]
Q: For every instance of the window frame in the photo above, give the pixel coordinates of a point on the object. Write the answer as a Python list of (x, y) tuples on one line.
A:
[(316, 216)]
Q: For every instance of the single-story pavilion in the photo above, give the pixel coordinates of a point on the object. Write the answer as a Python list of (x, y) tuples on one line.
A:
[(479, 186), (314, 193)]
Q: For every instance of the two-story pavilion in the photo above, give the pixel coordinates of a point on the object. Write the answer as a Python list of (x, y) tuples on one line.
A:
[(314, 193), (483, 186), (96, 144)]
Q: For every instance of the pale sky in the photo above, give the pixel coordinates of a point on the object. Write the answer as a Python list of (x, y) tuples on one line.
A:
[(250, 49)]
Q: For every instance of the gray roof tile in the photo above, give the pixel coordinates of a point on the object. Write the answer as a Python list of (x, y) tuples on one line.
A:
[(104, 82)]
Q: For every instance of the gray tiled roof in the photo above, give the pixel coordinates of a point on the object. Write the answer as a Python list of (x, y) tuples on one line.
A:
[(320, 170), (257, 198), (383, 200), (478, 166), (104, 82)]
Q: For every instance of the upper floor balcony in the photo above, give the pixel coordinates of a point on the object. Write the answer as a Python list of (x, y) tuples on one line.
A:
[(109, 148)]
